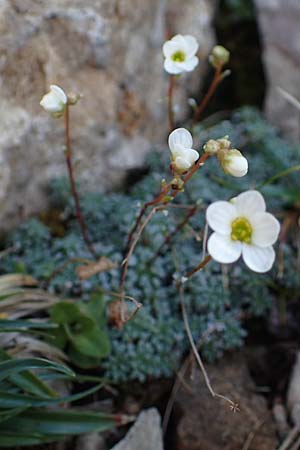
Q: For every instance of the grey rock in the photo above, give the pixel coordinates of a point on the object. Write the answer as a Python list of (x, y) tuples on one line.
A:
[(145, 434), (91, 441), (279, 26), (108, 51)]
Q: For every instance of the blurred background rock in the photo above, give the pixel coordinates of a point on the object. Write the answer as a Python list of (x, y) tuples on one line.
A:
[(110, 52)]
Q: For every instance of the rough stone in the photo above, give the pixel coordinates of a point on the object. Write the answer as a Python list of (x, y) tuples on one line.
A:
[(208, 423), (145, 434), (110, 52), (279, 26)]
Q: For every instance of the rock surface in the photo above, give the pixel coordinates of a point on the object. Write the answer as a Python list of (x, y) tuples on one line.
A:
[(279, 25), (209, 424), (145, 434), (110, 52)]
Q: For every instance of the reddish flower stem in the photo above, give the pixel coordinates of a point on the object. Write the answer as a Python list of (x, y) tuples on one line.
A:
[(79, 216), (170, 102), (164, 191), (211, 90), (200, 266), (171, 235)]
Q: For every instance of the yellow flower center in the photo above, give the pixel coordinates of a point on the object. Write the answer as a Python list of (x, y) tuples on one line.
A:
[(178, 56), (241, 230)]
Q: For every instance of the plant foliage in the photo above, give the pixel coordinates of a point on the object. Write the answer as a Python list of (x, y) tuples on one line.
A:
[(153, 342)]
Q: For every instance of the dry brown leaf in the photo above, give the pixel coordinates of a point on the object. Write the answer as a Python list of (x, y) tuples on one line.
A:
[(89, 270)]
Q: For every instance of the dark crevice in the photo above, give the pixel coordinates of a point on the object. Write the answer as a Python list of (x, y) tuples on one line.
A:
[(237, 29)]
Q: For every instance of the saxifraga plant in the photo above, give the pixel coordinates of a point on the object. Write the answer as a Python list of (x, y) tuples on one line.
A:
[(152, 343)]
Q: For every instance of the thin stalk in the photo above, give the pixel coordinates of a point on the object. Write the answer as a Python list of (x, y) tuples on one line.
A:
[(200, 266), (213, 393), (117, 308), (211, 90), (170, 102), (276, 177), (132, 247), (171, 235), (200, 162), (79, 216), (164, 191)]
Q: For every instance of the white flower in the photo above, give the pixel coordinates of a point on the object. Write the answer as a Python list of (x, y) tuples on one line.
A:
[(234, 163), (243, 227), (180, 54), (183, 155), (54, 102)]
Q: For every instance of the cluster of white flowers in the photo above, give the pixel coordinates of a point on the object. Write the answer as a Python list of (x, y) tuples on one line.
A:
[(242, 227)]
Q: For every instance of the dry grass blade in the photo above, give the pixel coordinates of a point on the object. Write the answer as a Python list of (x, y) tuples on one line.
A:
[(20, 299), (27, 346), (289, 97), (15, 280)]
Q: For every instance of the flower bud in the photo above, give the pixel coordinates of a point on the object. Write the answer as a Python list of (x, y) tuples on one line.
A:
[(224, 143), (219, 56), (177, 184), (55, 101), (73, 98), (234, 163), (212, 147)]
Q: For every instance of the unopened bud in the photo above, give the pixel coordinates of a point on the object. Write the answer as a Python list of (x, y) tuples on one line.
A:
[(219, 56), (234, 163), (177, 184), (224, 143), (212, 147), (73, 98)]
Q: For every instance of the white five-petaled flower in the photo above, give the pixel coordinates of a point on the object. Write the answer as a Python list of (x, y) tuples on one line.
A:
[(54, 102), (243, 227), (180, 54), (183, 155)]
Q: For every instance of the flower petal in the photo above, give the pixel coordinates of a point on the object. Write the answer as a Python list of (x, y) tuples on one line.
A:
[(235, 163), (51, 104), (180, 41), (258, 259), (180, 138), (192, 155), (266, 229), (249, 203), (182, 163), (171, 67), (191, 45), (219, 216), (189, 64), (59, 93), (169, 48), (223, 249)]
